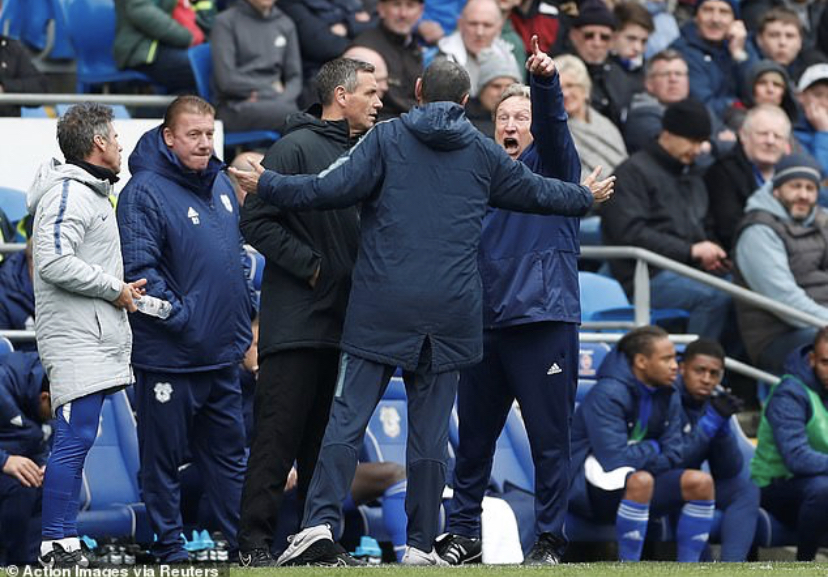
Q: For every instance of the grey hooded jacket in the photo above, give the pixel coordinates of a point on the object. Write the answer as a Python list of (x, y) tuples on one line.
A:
[(83, 339)]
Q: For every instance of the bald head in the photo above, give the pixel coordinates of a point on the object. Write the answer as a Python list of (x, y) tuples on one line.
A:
[(479, 24), (365, 54)]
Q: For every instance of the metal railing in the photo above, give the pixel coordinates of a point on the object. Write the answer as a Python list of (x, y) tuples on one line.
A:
[(641, 285), (730, 363), (132, 100)]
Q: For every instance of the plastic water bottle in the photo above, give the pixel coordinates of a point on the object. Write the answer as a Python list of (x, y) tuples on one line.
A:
[(154, 307)]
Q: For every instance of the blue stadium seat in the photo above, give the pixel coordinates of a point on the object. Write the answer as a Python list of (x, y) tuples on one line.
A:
[(13, 203), (6, 347), (33, 112), (119, 111), (387, 430), (110, 501), (257, 265), (590, 357), (95, 64), (202, 62), (603, 299)]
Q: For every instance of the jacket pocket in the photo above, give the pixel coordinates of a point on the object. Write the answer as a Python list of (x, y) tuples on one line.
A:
[(514, 287)]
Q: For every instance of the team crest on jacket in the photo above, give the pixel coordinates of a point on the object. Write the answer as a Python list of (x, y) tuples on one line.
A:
[(226, 201), (390, 419), (163, 392), (193, 215)]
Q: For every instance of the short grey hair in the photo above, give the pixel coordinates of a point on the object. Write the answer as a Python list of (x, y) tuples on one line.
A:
[(516, 89), (77, 128), (339, 72), (769, 109)]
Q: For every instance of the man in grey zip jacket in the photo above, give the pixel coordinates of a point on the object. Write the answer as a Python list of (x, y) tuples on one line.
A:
[(81, 303)]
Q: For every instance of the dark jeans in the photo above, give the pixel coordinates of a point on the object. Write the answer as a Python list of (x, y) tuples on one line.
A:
[(290, 413)]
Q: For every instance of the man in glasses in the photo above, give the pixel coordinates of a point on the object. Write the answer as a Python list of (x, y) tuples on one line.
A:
[(591, 39), (665, 81)]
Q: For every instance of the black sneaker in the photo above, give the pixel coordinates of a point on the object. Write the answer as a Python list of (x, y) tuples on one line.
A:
[(88, 558), (60, 558), (256, 558), (548, 550), (325, 553), (459, 550)]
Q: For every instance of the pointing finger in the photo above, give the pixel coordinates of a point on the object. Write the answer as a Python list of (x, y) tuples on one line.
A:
[(535, 45)]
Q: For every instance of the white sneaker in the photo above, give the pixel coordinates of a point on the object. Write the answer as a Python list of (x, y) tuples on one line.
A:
[(302, 540), (414, 556)]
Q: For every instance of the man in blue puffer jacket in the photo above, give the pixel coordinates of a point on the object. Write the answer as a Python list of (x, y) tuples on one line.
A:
[(627, 449), (424, 181), (529, 265), (179, 225), (25, 406), (708, 436)]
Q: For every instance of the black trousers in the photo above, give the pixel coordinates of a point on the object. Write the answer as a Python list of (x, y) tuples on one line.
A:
[(290, 412)]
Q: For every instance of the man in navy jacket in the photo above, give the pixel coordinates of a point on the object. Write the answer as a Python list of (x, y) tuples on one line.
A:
[(179, 226), (708, 436), (791, 461), (530, 341), (424, 181), (24, 408), (627, 449)]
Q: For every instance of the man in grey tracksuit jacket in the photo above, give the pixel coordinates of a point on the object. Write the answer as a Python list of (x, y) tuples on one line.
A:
[(81, 304)]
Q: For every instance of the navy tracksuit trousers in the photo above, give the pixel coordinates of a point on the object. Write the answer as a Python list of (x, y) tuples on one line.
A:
[(738, 499), (20, 509), (183, 416), (800, 503), (361, 385), (537, 364)]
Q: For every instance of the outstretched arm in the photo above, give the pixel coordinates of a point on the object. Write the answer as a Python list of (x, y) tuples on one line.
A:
[(351, 178), (559, 158)]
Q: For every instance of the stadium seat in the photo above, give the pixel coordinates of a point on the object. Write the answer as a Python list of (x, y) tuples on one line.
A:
[(257, 264), (13, 203), (387, 430), (6, 347), (202, 62), (34, 112), (40, 25), (603, 299), (110, 500), (119, 111), (95, 64), (590, 357)]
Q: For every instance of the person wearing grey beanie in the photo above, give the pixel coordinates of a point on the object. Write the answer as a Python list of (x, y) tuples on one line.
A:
[(782, 253)]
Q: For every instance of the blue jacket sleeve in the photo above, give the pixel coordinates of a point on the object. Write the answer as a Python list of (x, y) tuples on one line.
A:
[(352, 178), (725, 458), (141, 224), (670, 439), (694, 444), (559, 158), (515, 187), (787, 412), (604, 413)]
